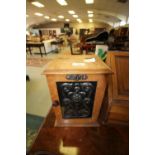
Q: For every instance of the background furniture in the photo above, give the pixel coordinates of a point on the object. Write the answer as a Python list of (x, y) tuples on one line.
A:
[(121, 41), (30, 45), (77, 87), (100, 37), (49, 48), (57, 44), (46, 44), (88, 48), (75, 48)]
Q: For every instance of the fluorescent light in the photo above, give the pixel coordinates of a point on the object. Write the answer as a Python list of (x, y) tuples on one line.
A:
[(67, 20), (71, 12), (90, 12), (37, 4), (90, 15), (75, 16), (116, 25), (79, 20), (61, 16), (38, 14), (62, 2), (46, 17), (122, 23), (54, 19), (90, 20), (89, 1)]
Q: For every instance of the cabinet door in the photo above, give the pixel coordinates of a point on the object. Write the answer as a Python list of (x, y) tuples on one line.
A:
[(119, 82), (77, 103), (118, 87)]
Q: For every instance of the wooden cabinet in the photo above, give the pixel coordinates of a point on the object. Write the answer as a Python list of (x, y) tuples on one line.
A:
[(121, 39), (77, 88), (118, 89)]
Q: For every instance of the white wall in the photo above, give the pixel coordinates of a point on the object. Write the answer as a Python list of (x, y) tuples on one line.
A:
[(75, 25)]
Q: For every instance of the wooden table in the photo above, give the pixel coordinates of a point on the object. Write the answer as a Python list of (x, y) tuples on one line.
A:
[(29, 45), (103, 140)]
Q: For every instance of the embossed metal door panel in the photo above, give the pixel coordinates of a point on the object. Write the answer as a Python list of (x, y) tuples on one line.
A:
[(76, 98)]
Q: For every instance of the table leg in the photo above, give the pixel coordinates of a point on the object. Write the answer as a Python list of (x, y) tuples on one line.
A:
[(45, 50), (81, 51), (41, 52), (30, 50), (86, 50)]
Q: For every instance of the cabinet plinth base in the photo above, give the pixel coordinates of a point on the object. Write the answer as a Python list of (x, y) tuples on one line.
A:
[(94, 124)]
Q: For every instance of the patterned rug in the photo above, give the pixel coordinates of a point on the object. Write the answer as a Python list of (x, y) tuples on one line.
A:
[(37, 62), (33, 124)]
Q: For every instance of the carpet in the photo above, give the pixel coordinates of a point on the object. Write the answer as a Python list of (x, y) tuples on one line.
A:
[(33, 124), (37, 62)]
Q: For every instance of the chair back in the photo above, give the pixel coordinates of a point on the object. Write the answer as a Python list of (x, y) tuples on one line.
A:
[(75, 48)]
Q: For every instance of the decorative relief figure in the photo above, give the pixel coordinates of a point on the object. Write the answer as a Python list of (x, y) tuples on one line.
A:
[(76, 98)]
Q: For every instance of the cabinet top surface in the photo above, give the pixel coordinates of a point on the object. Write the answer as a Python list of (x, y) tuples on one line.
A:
[(77, 64)]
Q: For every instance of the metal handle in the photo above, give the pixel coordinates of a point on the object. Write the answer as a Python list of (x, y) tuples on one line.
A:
[(55, 103)]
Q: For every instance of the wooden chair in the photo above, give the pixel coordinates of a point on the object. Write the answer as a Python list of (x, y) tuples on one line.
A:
[(75, 48)]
